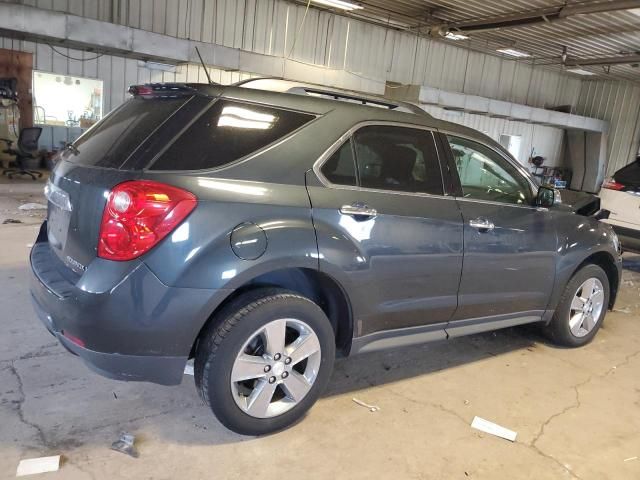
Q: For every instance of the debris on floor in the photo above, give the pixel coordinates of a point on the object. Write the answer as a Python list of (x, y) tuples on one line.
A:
[(188, 368), (125, 444), (32, 206), (11, 220), (372, 408), (630, 459), (493, 429), (33, 466), (622, 310)]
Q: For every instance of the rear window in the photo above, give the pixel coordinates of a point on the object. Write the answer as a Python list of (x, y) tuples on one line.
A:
[(110, 142), (227, 132)]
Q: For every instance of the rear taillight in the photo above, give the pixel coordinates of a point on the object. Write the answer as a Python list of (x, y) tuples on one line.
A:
[(613, 185), (138, 215)]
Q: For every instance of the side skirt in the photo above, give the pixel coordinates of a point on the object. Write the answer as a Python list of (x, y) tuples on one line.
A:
[(404, 337)]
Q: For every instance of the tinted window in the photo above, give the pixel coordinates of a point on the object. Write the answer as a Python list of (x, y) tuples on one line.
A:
[(629, 175), (485, 175), (398, 158), (340, 169), (112, 140), (226, 132)]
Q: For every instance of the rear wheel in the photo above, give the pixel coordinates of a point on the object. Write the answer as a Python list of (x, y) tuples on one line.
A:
[(265, 361), (581, 309)]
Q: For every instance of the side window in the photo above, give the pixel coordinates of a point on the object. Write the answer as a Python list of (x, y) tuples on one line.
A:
[(485, 175), (228, 131), (340, 169), (398, 158)]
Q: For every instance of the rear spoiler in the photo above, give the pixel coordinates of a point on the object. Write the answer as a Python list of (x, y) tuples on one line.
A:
[(161, 90)]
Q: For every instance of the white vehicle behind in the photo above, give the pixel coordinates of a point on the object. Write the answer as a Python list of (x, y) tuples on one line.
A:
[(621, 196)]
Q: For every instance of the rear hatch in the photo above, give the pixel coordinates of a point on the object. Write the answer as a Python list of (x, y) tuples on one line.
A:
[(113, 151), (621, 196)]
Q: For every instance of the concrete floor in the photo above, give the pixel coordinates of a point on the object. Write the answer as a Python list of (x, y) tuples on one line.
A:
[(577, 412)]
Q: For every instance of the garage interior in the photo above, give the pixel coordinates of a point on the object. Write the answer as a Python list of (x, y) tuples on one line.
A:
[(557, 83)]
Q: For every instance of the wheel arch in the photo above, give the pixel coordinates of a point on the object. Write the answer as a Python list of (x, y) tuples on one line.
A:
[(319, 287)]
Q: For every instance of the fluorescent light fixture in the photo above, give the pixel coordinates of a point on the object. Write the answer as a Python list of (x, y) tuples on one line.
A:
[(455, 36), (163, 67), (513, 52), (580, 71), (339, 4)]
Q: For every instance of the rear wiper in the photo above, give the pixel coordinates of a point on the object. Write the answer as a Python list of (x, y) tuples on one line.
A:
[(73, 148)]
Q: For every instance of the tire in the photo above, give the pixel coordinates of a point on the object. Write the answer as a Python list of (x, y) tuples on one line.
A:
[(260, 325), (565, 332)]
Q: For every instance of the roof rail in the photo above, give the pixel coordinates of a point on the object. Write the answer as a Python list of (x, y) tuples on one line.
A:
[(300, 88)]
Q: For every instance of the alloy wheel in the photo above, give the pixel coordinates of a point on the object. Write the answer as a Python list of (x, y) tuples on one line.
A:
[(586, 307), (275, 368)]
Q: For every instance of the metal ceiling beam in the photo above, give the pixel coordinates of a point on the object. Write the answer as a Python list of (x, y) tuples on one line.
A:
[(619, 60), (532, 17)]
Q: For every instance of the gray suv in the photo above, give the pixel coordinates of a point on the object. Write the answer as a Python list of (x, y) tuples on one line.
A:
[(264, 233)]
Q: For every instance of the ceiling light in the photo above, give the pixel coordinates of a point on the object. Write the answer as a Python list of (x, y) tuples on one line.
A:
[(455, 36), (513, 52), (580, 71), (339, 4)]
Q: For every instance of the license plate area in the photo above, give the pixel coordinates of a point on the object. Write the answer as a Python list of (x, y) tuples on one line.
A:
[(58, 226)]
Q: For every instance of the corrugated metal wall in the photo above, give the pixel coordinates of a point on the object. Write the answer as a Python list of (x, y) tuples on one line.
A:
[(537, 139), (272, 27), (619, 103)]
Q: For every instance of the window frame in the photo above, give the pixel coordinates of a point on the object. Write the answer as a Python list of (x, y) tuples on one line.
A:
[(353, 158), (348, 136), (506, 157)]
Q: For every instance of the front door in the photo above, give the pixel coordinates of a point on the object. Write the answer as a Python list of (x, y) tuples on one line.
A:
[(510, 245), (384, 224)]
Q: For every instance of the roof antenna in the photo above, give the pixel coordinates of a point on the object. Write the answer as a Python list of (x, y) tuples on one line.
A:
[(204, 66)]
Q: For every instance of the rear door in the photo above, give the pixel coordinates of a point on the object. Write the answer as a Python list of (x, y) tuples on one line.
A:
[(510, 245), (622, 197), (384, 221)]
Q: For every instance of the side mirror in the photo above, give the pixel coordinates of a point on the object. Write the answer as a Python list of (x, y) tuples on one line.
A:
[(546, 197)]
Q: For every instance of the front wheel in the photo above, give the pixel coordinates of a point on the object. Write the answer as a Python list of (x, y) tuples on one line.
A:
[(265, 360), (581, 309)]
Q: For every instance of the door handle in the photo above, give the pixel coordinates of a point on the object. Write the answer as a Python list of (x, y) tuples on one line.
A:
[(358, 210), (482, 224)]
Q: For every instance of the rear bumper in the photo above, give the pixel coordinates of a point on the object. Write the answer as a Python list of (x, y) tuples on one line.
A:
[(155, 369), (629, 238), (138, 329)]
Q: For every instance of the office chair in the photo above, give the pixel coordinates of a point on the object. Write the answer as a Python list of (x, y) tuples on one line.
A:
[(27, 148)]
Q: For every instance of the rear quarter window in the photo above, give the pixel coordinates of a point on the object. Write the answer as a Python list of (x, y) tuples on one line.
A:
[(227, 132)]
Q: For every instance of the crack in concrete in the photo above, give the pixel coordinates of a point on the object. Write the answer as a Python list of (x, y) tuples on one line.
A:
[(437, 406), (466, 423), (577, 404), (41, 435)]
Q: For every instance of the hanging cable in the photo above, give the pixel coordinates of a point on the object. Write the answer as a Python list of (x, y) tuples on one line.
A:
[(295, 39), (74, 58)]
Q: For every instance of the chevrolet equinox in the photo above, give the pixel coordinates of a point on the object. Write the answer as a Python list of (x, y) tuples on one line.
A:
[(263, 233)]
